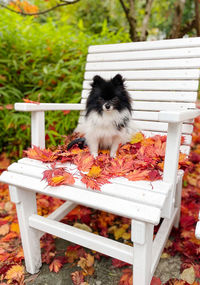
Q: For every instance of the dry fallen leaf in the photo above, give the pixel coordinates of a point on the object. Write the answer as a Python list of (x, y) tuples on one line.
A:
[(188, 275)]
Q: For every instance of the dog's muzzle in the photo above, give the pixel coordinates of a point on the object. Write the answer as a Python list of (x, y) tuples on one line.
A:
[(107, 107)]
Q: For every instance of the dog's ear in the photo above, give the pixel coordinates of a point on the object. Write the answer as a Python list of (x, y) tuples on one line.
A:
[(97, 81), (118, 80)]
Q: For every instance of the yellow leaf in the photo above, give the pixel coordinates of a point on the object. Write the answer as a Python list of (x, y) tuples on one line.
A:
[(137, 138), (126, 236), (14, 228), (16, 272), (94, 171)]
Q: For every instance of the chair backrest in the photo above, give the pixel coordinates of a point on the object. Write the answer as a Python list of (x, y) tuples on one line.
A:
[(160, 75)]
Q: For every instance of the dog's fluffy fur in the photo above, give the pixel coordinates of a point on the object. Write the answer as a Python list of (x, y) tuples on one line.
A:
[(107, 122)]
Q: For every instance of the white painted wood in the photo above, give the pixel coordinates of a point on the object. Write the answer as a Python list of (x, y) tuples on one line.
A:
[(94, 199), (27, 107), (147, 74), (144, 64), (197, 231), (62, 211), (161, 239), (171, 162), (159, 106), (38, 129), (142, 254), (173, 85), (118, 190), (145, 55), (177, 203), (138, 232), (178, 116), (30, 237), (147, 45), (89, 240), (172, 96)]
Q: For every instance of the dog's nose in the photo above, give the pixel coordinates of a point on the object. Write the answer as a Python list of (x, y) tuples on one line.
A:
[(107, 106)]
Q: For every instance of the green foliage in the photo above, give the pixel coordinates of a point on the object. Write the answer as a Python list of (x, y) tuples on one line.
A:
[(42, 61)]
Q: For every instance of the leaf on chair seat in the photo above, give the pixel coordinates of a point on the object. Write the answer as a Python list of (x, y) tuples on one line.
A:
[(45, 155)]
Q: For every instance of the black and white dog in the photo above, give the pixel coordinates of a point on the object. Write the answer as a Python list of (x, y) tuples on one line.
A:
[(107, 122)]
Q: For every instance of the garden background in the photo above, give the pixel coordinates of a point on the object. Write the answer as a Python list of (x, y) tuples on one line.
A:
[(42, 58)]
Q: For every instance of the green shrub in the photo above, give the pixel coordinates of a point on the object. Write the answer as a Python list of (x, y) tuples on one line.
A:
[(45, 62)]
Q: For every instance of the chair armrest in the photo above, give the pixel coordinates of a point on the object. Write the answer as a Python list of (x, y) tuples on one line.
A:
[(31, 107), (178, 116)]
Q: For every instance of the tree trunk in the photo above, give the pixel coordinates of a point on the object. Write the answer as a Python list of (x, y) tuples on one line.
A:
[(144, 32), (176, 24), (131, 18)]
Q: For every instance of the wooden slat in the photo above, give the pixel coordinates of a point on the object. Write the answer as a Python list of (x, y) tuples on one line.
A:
[(155, 186), (177, 96), (88, 240), (145, 55), (27, 107), (147, 45), (94, 199), (144, 115), (173, 74), (144, 64), (158, 106), (120, 191), (189, 85)]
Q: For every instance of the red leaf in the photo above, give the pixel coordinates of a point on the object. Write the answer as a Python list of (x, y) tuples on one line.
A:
[(57, 263), (118, 263), (156, 281)]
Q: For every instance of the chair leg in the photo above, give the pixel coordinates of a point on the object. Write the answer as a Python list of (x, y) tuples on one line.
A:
[(26, 206), (178, 202), (142, 237)]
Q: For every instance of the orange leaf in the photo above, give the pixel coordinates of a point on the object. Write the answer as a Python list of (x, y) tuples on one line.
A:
[(29, 101), (156, 281), (84, 161), (77, 277), (127, 277), (57, 264), (16, 272), (137, 138), (14, 228), (94, 171), (138, 174)]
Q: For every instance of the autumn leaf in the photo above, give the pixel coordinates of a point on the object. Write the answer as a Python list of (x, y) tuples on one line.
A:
[(94, 171), (138, 137), (77, 277), (30, 101), (45, 155), (84, 161), (4, 229), (156, 281), (57, 263), (86, 263), (16, 272), (127, 277), (118, 263)]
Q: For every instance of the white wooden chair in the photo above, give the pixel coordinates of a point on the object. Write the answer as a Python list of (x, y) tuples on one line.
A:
[(162, 78), (197, 231)]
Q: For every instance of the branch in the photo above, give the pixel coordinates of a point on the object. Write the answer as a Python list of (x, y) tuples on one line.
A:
[(197, 16), (176, 24), (42, 12), (126, 10)]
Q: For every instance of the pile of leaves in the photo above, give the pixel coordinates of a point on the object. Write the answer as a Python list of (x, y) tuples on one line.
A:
[(182, 241), (141, 159)]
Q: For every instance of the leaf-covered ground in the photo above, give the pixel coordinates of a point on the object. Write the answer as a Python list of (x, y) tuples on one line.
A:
[(182, 241)]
